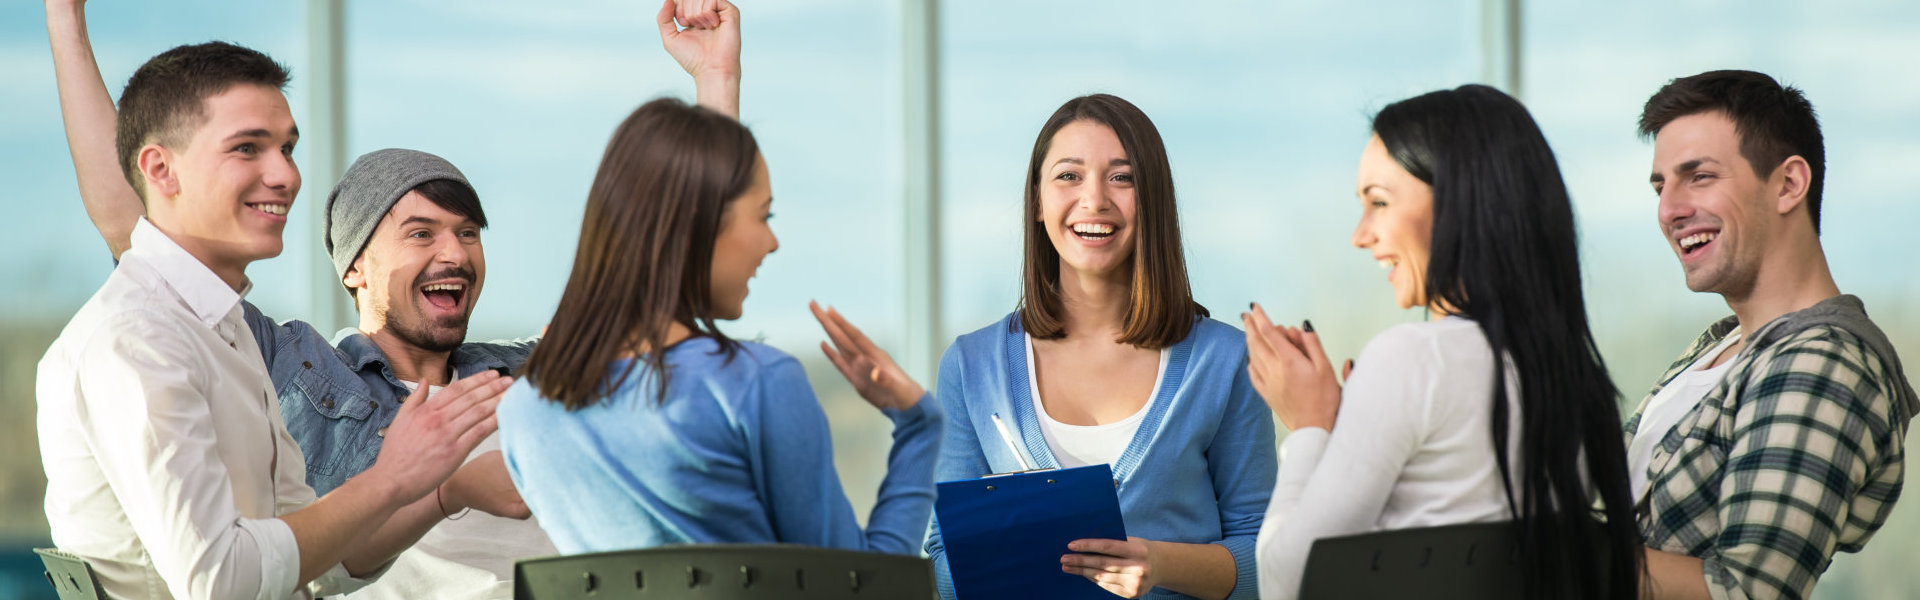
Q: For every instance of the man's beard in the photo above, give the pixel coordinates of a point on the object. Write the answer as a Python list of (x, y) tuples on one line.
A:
[(416, 332)]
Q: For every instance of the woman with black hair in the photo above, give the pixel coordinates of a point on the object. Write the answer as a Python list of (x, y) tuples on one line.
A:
[(1463, 204)]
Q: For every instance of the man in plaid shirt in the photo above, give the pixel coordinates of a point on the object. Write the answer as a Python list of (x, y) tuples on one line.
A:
[(1776, 438)]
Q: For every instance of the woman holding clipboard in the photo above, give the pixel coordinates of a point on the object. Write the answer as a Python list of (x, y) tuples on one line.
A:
[(1109, 360), (1463, 203)]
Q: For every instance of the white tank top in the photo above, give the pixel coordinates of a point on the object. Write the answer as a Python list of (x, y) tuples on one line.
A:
[(1082, 445)]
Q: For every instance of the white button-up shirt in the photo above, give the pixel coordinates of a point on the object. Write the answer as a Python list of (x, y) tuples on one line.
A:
[(167, 461)]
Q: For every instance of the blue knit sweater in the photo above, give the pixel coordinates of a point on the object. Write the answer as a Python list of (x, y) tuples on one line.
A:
[(1199, 470)]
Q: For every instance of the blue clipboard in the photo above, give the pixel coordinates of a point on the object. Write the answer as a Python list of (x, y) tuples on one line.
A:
[(1004, 534)]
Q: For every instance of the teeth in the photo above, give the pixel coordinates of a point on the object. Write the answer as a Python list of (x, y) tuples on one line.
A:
[(443, 287), (1093, 228), (272, 209), (1387, 263), (1697, 239)]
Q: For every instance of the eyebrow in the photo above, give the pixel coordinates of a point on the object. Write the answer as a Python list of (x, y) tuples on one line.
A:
[(419, 219), (1118, 162), (260, 133), (1685, 167)]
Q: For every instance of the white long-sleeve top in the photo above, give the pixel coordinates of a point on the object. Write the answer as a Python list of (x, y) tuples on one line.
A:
[(166, 458), (1411, 447)]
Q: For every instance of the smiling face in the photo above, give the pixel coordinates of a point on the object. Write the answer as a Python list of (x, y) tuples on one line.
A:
[(225, 193), (1087, 200), (1396, 222), (1713, 206), (746, 238), (420, 275)]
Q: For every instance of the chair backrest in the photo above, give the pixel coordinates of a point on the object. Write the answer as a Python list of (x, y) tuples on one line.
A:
[(724, 572), (1477, 561), (72, 578)]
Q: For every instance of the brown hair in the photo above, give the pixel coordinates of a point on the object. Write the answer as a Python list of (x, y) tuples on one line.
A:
[(646, 249), (1775, 122), (166, 97), (1160, 308)]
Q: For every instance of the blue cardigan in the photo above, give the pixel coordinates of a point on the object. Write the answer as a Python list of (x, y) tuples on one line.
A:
[(1199, 470), (738, 452)]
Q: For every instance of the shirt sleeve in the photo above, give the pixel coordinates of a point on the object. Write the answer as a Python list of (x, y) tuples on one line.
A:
[(1810, 432), (1242, 462), (145, 414), (805, 500), (1335, 483), (960, 456)]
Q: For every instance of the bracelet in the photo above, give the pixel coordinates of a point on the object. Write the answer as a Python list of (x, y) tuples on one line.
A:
[(443, 507)]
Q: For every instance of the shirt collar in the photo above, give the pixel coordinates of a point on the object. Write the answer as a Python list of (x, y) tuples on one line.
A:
[(467, 359), (209, 297)]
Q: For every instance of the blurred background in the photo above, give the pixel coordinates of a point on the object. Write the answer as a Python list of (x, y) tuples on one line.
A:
[(897, 134)]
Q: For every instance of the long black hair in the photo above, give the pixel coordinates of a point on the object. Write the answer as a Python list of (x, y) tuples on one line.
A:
[(1504, 254)]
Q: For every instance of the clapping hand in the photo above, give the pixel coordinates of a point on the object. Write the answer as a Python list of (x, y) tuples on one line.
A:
[(871, 371), (1289, 368)]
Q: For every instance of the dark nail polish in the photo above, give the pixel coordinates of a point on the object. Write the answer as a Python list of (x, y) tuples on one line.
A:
[(1307, 325), (1249, 306)]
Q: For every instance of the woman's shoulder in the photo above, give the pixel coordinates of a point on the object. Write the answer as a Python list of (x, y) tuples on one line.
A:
[(1452, 340), (706, 356), (1209, 333), (987, 340)]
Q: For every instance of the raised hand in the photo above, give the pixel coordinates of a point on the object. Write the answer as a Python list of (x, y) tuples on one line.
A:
[(483, 484), (1289, 369), (432, 435), (871, 371), (709, 48)]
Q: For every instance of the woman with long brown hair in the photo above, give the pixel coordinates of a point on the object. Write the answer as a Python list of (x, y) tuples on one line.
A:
[(1108, 360), (637, 423)]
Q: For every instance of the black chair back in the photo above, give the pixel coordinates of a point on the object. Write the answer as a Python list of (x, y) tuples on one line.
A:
[(724, 572), (1477, 561), (72, 577)]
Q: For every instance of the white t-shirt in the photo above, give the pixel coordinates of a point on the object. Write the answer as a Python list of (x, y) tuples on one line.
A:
[(1666, 408), (1082, 445), (466, 558), (1412, 448)]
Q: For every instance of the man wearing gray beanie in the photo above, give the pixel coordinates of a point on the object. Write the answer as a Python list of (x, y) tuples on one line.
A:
[(402, 231)]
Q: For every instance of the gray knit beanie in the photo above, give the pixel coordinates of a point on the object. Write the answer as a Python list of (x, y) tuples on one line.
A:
[(368, 190)]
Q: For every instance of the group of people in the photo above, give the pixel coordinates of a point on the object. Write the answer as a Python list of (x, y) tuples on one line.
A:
[(293, 464)]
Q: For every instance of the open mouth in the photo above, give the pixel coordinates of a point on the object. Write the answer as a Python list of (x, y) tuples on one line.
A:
[(271, 208), (1693, 244), (1092, 231), (445, 296)]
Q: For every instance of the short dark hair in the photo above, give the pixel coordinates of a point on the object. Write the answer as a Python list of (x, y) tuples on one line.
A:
[(1160, 308), (1775, 122), (166, 97)]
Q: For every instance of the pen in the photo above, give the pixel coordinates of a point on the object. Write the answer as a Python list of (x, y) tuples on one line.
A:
[(1008, 438)]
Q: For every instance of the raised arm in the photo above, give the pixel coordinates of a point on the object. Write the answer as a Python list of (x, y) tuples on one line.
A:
[(709, 49), (87, 110)]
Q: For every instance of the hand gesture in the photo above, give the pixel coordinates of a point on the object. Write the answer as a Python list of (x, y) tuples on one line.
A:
[(1124, 568), (483, 483), (1290, 370), (710, 44), (871, 371), (431, 436)]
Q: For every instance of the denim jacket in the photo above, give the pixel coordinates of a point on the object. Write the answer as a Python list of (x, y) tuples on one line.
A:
[(338, 397)]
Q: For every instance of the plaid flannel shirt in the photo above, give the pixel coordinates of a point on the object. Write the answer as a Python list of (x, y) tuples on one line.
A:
[(1796, 453)]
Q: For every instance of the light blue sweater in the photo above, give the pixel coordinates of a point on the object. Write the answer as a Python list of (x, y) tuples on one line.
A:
[(739, 452), (1199, 470)]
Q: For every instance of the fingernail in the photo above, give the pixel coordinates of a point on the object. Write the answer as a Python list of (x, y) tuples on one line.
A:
[(1249, 306), (1307, 325)]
